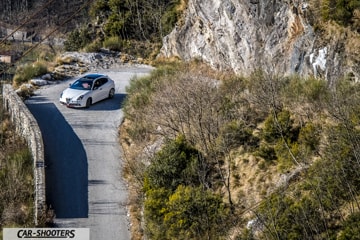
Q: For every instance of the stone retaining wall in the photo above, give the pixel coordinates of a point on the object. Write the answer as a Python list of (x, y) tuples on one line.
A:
[(27, 127)]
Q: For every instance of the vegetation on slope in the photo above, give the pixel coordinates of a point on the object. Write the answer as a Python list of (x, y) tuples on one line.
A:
[(16, 178), (344, 12), (134, 27), (279, 151), (38, 16)]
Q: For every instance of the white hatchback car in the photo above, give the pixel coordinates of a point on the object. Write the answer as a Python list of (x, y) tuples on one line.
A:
[(87, 90)]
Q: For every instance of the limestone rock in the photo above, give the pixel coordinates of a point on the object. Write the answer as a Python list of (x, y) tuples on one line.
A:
[(243, 35), (38, 82)]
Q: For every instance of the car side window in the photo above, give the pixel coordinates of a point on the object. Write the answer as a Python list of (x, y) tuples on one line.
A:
[(97, 84), (103, 81)]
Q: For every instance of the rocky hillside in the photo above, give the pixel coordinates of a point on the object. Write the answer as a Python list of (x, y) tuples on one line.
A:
[(278, 36)]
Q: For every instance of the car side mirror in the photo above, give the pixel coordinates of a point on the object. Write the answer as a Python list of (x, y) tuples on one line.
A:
[(70, 84)]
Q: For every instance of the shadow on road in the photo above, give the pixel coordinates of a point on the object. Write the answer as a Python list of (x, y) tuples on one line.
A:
[(107, 104), (66, 162)]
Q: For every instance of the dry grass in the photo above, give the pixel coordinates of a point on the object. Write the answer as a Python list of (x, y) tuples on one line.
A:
[(335, 34), (61, 60), (182, 6), (256, 179), (16, 177), (296, 27), (132, 171)]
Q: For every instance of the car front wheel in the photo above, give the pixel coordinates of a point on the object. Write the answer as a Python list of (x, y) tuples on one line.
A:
[(88, 103), (111, 93)]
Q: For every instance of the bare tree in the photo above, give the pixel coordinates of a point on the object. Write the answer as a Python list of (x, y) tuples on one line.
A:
[(192, 105), (188, 105), (265, 94)]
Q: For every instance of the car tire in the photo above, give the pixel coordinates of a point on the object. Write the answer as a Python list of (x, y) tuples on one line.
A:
[(88, 102), (111, 93)]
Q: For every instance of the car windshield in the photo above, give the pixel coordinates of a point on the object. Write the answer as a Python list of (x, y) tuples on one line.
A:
[(81, 84)]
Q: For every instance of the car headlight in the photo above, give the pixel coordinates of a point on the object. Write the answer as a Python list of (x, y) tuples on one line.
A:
[(81, 97)]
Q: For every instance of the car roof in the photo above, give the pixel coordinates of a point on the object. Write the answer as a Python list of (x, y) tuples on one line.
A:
[(92, 76)]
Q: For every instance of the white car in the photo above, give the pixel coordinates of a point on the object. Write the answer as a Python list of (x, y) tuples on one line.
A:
[(87, 90)]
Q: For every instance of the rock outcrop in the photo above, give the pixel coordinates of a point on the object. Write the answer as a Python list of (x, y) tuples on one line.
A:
[(243, 35), (72, 64)]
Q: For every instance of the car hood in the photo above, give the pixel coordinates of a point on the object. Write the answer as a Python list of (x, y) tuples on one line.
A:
[(74, 93)]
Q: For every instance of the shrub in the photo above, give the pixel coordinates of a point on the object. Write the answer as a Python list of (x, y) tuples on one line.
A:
[(78, 39), (25, 72), (309, 136), (187, 213), (143, 49), (195, 213), (285, 159), (266, 152), (174, 165), (16, 194), (277, 126), (342, 11), (93, 47), (235, 134), (176, 206), (295, 218), (139, 94), (351, 228), (25, 91), (154, 211), (145, 20), (114, 43)]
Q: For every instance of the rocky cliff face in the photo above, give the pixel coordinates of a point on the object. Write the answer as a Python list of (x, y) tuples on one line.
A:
[(243, 35)]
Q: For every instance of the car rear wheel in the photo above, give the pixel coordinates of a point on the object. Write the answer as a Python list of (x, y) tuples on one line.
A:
[(88, 102), (111, 93)]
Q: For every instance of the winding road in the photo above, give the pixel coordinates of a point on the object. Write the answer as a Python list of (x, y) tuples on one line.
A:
[(83, 161)]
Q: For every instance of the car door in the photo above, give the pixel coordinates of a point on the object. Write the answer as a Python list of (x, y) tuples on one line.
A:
[(97, 93), (104, 88)]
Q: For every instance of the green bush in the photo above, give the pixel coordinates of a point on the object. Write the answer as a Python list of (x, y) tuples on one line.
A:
[(295, 218), (285, 154), (143, 49), (279, 126), (176, 164), (139, 94), (266, 152), (94, 46), (351, 228), (141, 90), (154, 212), (169, 18), (145, 20), (176, 204), (78, 39), (28, 71), (195, 213), (309, 136), (114, 43), (188, 213), (235, 134), (342, 11)]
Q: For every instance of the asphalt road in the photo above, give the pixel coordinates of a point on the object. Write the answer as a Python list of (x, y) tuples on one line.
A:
[(83, 161)]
